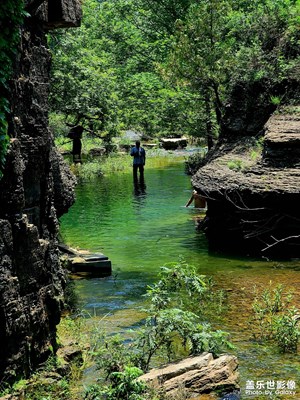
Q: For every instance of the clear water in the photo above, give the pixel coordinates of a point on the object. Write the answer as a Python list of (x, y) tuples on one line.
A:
[(141, 231)]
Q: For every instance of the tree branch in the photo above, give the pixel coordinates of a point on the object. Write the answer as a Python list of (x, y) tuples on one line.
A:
[(276, 241), (244, 206)]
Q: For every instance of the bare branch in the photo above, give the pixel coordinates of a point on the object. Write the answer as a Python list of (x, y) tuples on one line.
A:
[(245, 207), (276, 241)]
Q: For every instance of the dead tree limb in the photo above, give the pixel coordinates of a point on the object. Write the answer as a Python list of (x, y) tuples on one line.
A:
[(276, 241)]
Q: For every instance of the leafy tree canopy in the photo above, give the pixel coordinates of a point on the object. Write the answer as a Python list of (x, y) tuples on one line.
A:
[(169, 67)]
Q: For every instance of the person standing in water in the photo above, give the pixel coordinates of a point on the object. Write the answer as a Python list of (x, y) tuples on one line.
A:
[(139, 160), (199, 201)]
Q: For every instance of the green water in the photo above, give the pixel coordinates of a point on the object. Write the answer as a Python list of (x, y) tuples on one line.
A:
[(142, 230)]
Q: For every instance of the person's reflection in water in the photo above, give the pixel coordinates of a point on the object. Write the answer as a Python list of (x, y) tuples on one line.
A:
[(140, 188), (139, 199)]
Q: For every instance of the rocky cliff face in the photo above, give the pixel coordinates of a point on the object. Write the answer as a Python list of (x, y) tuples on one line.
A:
[(35, 190), (252, 184)]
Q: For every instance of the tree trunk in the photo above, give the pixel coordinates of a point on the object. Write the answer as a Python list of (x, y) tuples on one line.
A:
[(209, 125)]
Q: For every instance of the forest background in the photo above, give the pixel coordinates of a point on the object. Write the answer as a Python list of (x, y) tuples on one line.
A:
[(168, 68)]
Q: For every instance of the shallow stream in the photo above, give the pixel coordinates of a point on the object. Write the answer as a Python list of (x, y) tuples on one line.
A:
[(141, 230)]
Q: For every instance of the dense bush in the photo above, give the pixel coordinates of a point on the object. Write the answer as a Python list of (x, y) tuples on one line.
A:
[(275, 320)]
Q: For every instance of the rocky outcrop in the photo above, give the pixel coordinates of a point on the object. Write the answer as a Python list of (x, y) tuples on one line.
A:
[(195, 375), (252, 186), (36, 188), (56, 13), (63, 183), (282, 140), (173, 143)]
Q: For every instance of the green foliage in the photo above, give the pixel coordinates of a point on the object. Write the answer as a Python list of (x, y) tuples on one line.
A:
[(171, 330), (19, 385), (40, 386), (276, 100), (178, 284), (274, 320), (236, 165), (107, 75), (170, 68), (57, 125), (11, 17), (222, 45), (254, 155), (47, 389), (201, 54), (112, 355), (174, 321), (287, 332), (266, 48), (104, 165), (88, 170), (124, 386), (121, 373), (71, 298), (176, 279), (114, 162), (194, 162), (265, 306)]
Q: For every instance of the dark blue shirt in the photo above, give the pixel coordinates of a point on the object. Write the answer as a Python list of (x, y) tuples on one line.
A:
[(139, 155)]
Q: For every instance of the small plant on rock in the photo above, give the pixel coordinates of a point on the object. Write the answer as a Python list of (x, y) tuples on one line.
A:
[(235, 165)]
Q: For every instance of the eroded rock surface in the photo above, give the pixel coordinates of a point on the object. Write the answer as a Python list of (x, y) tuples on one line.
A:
[(252, 185), (36, 188), (196, 375)]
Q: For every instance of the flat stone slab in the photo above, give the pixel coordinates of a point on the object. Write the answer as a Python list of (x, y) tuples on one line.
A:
[(81, 261), (283, 129)]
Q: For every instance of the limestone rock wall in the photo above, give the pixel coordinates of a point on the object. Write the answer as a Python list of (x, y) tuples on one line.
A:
[(253, 190), (36, 188)]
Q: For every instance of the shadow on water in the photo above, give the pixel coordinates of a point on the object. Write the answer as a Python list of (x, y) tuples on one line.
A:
[(140, 228)]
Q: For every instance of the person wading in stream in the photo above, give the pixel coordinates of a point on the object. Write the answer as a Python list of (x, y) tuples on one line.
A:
[(139, 160), (199, 201)]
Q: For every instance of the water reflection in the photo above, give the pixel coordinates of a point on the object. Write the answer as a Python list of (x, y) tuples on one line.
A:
[(139, 188)]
